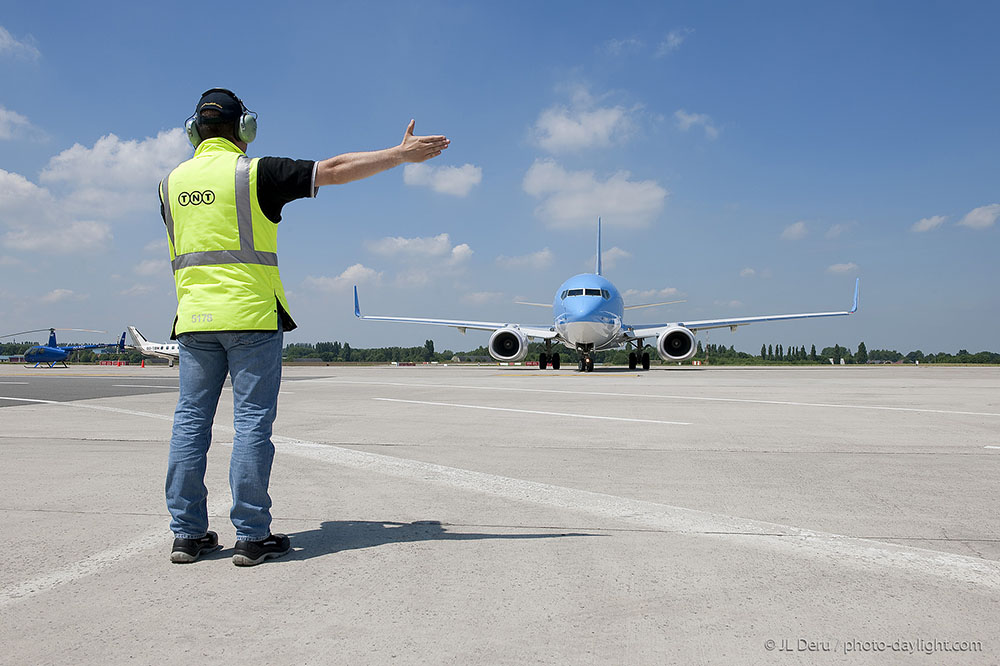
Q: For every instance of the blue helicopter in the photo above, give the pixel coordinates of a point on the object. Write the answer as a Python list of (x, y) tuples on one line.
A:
[(53, 353)]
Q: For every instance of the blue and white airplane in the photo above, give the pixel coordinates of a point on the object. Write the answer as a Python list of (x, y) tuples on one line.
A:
[(168, 350), (589, 316)]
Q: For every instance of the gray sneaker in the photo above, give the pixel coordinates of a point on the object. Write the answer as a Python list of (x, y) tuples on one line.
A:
[(251, 553)]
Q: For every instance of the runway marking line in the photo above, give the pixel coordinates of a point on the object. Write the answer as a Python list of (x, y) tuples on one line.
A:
[(532, 411), (661, 396), (846, 551), (144, 386)]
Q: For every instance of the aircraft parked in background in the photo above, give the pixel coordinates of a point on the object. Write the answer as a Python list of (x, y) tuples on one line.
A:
[(169, 351), (589, 316), (53, 353)]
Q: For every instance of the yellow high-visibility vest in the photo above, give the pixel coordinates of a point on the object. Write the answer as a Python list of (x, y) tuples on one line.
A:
[(223, 249)]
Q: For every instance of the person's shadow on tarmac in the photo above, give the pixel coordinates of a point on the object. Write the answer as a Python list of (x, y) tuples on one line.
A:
[(339, 535)]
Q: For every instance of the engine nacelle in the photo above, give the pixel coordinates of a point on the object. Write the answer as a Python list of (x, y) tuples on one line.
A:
[(508, 344), (676, 344)]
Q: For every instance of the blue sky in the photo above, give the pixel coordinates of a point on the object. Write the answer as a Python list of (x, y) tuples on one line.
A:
[(751, 158)]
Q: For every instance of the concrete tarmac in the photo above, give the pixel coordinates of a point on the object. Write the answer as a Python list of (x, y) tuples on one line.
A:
[(506, 515)]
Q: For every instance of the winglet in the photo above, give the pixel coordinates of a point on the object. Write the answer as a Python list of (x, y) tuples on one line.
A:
[(357, 308), (857, 292), (598, 246)]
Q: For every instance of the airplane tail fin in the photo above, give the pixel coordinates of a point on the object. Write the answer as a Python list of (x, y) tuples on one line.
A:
[(598, 271), (136, 336), (121, 344), (52, 337)]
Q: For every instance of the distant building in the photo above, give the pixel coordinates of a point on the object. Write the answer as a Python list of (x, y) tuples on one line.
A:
[(16, 358), (471, 359)]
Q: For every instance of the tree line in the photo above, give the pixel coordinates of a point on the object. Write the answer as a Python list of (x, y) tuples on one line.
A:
[(713, 354)]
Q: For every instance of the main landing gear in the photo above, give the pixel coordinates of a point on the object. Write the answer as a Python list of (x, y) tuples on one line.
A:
[(635, 360), (547, 357), (638, 357)]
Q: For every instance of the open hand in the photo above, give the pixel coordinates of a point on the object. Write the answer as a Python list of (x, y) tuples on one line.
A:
[(421, 148)]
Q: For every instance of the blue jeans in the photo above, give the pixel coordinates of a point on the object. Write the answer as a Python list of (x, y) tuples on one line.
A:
[(253, 360)]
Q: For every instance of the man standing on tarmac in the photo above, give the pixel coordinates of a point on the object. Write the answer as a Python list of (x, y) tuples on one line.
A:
[(221, 209)]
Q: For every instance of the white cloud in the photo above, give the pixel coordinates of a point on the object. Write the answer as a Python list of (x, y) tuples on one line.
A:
[(22, 49), (983, 217), (353, 275), (534, 261), (795, 231), (158, 246), (152, 267), (748, 272), (842, 268), (560, 129), (115, 177), (649, 294), (75, 237), (836, 230), (685, 121), (672, 41), (14, 125), (618, 47), (456, 181), (611, 256), (431, 247), (136, 290), (23, 202), (572, 197), (482, 297), (729, 304), (460, 253), (57, 295), (928, 223), (112, 180)]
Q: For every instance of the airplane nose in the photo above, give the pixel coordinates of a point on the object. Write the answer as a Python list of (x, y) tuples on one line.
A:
[(582, 308)]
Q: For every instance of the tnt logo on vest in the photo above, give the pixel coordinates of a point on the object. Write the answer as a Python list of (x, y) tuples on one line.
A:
[(196, 198)]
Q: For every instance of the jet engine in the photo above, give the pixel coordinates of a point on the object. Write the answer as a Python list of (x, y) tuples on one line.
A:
[(676, 344), (508, 344)]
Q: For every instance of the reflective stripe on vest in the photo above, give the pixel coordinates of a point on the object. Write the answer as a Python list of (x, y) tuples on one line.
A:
[(244, 220)]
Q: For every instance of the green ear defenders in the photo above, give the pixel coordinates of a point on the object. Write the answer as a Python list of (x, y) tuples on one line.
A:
[(245, 127)]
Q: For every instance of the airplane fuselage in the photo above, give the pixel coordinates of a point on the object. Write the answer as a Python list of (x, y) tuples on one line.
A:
[(588, 312)]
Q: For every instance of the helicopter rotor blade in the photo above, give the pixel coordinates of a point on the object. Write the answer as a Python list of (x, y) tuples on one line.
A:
[(42, 330)]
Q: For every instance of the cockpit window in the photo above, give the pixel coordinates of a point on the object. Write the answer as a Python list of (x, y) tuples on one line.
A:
[(576, 292), (605, 294), (564, 294), (593, 292)]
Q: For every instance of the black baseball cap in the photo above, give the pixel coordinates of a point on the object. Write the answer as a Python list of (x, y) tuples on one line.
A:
[(224, 101)]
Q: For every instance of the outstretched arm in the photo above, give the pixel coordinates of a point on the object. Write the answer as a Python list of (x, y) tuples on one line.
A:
[(355, 166)]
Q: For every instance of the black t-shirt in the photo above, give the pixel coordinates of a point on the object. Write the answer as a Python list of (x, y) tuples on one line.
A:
[(281, 180)]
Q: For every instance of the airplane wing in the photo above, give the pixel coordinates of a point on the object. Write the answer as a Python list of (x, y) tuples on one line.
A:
[(543, 332), (653, 330)]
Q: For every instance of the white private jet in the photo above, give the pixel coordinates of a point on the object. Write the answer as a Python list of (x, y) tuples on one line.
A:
[(589, 316), (169, 351)]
